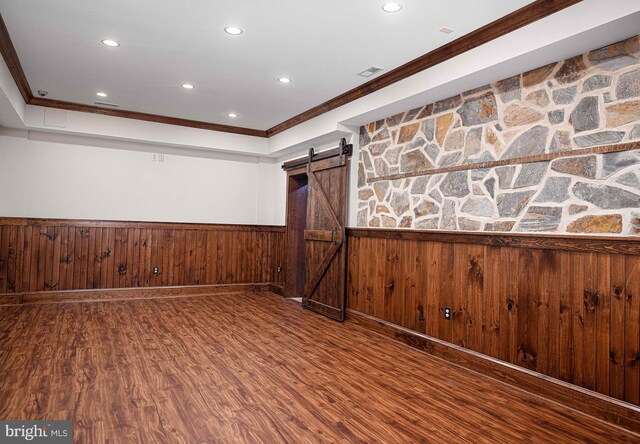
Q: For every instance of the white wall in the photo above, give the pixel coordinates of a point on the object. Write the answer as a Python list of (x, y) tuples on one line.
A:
[(271, 193), (63, 180)]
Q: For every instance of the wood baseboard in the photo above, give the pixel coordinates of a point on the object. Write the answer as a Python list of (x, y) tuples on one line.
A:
[(599, 406), (277, 289), (117, 294)]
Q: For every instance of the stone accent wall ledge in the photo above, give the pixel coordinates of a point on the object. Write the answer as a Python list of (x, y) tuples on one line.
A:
[(520, 161)]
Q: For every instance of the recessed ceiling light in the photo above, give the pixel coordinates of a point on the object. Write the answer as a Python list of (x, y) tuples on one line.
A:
[(391, 7), (187, 86), (110, 42), (101, 94), (232, 115), (446, 30), (284, 80), (233, 30)]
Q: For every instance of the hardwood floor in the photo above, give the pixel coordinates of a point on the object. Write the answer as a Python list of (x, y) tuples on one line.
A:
[(253, 368)]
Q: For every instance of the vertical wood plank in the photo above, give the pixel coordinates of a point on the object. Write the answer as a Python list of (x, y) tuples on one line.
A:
[(617, 335), (146, 265), (129, 274), (55, 263), (525, 353), (632, 331), (35, 258), (94, 270), (566, 348), (493, 302), (20, 243), (155, 259), (163, 253), (27, 258), (459, 316), (211, 258), (106, 253), (390, 299), (64, 258), (475, 294), (549, 313), (135, 259), (577, 291), (200, 259), (603, 313), (120, 259), (42, 259), (352, 302), (12, 258), (590, 302), (433, 257), (446, 291), (87, 253)]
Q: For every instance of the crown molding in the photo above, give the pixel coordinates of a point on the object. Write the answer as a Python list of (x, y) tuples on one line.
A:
[(13, 62), (533, 12), (71, 106), (498, 28)]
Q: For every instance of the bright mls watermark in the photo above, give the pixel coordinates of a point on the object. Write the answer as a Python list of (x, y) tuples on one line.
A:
[(36, 432)]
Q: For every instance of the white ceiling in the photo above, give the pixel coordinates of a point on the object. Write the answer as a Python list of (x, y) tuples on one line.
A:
[(321, 45)]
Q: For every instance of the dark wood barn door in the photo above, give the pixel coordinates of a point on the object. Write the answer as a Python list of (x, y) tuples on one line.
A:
[(325, 233)]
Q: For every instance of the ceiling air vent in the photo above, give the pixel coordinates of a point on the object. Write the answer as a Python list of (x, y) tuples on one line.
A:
[(112, 105), (370, 71)]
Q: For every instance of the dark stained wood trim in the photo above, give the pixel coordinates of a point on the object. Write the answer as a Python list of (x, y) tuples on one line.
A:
[(516, 161), (19, 221), (13, 62), (275, 288), (509, 23), (324, 309), (596, 244), (70, 106), (328, 154), (608, 409), (119, 294)]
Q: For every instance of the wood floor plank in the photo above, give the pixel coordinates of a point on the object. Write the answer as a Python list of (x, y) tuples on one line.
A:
[(254, 367)]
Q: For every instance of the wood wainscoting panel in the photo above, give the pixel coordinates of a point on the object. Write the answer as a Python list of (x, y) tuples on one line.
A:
[(566, 307), (57, 255)]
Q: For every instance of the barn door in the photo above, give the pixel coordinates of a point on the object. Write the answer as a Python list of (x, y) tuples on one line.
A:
[(325, 235)]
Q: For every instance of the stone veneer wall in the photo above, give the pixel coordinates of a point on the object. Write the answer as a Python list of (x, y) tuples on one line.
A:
[(589, 100)]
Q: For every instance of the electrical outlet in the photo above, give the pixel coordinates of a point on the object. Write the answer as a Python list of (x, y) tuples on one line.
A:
[(279, 269), (447, 313), (156, 270)]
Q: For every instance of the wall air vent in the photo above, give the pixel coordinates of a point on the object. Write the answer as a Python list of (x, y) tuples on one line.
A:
[(112, 105), (370, 71)]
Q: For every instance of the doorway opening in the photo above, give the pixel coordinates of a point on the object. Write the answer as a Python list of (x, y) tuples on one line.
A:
[(297, 195)]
